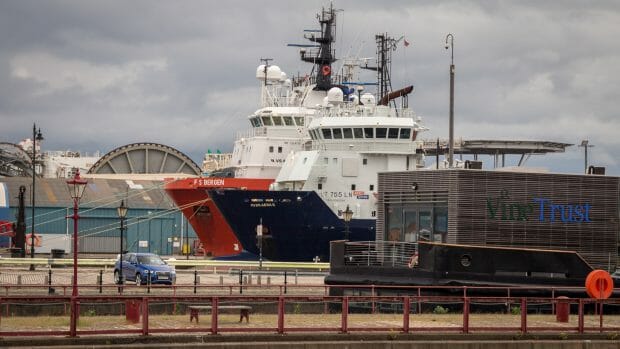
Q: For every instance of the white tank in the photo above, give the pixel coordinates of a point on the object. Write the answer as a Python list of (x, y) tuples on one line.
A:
[(368, 99), (335, 95)]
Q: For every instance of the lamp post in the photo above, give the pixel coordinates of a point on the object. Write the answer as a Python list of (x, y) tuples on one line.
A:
[(122, 213), (346, 216), (259, 236), (76, 188), (585, 144), (36, 136), (451, 137)]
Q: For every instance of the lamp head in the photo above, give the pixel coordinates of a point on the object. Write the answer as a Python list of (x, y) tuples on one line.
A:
[(122, 210)]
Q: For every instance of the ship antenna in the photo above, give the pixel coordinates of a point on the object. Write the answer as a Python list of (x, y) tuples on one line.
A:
[(266, 60)]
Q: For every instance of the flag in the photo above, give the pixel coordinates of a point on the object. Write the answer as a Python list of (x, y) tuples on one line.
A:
[(406, 42)]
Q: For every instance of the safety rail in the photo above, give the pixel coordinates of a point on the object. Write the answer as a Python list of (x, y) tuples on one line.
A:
[(381, 253), (302, 313)]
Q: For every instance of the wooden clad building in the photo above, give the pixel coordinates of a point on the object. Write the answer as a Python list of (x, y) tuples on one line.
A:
[(500, 208)]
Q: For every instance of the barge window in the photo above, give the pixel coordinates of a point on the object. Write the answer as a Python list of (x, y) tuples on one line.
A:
[(358, 133), (381, 132), (299, 120), (405, 133), (271, 148), (266, 120), (392, 133), (288, 121), (327, 133), (347, 133), (320, 186), (337, 133), (364, 161), (371, 187), (279, 149), (369, 132), (277, 121), (352, 186)]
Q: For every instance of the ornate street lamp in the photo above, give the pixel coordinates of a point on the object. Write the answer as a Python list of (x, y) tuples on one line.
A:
[(122, 213), (451, 131), (346, 216), (76, 188), (36, 136)]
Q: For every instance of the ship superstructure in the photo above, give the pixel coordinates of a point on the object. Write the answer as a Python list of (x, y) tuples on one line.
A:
[(354, 137)]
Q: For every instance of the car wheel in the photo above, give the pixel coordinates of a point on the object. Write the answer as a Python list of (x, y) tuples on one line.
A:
[(116, 277), (138, 280)]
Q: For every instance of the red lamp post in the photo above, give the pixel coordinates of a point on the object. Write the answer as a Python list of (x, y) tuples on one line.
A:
[(76, 188)]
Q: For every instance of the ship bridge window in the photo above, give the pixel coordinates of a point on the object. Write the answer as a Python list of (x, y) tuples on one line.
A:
[(255, 122), (299, 120), (347, 133), (277, 121), (327, 133), (266, 120), (392, 133), (337, 133), (288, 121), (405, 133), (381, 132), (369, 132), (358, 133)]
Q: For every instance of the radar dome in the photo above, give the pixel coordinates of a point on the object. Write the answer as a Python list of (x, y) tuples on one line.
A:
[(335, 95), (260, 72), (274, 72), (368, 99)]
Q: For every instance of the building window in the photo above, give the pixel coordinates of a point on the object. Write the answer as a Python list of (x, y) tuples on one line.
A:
[(364, 161), (271, 148)]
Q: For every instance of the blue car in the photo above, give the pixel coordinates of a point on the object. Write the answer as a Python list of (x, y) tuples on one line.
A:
[(138, 267)]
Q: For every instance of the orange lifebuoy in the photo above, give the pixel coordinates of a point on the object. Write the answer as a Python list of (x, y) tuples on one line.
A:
[(599, 284), (37, 240), (413, 261), (326, 70)]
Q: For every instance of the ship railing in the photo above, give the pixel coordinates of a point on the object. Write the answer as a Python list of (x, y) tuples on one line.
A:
[(381, 253), (374, 147), (253, 132)]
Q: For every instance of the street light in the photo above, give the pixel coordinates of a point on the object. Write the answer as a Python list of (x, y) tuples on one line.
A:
[(122, 213), (451, 138), (346, 216), (36, 136), (76, 188), (585, 144)]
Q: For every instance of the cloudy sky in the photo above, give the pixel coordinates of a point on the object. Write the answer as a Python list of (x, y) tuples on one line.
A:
[(95, 75)]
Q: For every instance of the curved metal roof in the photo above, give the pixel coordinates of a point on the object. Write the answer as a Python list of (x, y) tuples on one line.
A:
[(14, 161), (145, 158)]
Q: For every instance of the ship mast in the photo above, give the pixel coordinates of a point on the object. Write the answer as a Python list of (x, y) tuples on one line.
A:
[(323, 57)]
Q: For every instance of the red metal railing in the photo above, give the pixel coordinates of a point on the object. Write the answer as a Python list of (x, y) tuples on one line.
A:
[(341, 305)]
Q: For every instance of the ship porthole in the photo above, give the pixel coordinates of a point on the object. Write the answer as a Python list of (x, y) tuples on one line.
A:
[(466, 260)]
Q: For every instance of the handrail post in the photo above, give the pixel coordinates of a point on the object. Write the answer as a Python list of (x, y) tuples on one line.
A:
[(214, 306), (523, 315), (580, 316), (145, 316), (406, 310), (280, 315), (465, 315), (344, 327)]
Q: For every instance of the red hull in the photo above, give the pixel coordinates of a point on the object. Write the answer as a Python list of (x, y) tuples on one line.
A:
[(191, 196)]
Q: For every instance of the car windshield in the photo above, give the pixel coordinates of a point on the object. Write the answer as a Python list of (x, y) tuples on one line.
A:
[(150, 260)]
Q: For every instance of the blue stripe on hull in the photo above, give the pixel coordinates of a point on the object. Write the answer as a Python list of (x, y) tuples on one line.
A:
[(297, 225)]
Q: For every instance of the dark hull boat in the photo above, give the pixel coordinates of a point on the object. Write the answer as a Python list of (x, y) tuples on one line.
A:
[(296, 225), (446, 268)]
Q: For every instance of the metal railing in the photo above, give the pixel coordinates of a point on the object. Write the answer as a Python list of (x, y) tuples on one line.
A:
[(302, 313), (381, 253)]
